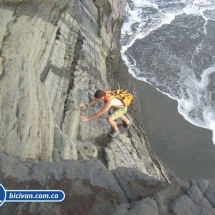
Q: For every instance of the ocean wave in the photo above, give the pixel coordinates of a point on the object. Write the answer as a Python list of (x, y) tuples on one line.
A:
[(179, 62)]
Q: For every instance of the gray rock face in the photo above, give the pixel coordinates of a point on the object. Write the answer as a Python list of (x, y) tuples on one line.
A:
[(89, 187), (54, 55), (210, 194), (64, 148), (136, 184), (146, 206), (190, 200)]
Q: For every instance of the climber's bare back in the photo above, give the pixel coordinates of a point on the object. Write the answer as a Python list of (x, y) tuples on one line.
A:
[(114, 103)]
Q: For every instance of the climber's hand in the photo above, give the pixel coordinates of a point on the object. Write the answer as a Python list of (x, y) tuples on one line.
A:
[(83, 106), (84, 118)]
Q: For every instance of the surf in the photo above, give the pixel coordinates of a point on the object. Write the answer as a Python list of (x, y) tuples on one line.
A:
[(192, 85)]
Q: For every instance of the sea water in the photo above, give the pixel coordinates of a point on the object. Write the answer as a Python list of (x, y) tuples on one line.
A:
[(171, 45)]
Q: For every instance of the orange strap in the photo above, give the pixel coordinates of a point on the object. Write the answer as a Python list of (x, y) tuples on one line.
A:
[(106, 96)]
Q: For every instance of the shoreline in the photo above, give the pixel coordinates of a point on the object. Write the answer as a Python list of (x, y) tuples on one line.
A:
[(124, 79), (185, 149), (118, 75)]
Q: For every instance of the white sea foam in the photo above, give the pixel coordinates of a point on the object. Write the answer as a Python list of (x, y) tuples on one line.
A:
[(130, 32), (145, 3), (194, 99), (196, 7), (200, 7), (199, 102)]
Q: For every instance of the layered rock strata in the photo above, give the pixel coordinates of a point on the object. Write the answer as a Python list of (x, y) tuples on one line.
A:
[(54, 54)]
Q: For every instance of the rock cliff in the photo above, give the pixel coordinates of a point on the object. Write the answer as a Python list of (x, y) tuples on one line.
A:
[(54, 54)]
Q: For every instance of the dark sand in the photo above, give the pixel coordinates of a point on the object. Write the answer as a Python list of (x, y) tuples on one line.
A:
[(187, 149)]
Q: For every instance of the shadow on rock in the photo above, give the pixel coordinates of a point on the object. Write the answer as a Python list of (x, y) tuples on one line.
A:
[(103, 140)]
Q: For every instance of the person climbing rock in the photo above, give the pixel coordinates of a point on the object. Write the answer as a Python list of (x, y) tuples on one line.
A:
[(119, 99)]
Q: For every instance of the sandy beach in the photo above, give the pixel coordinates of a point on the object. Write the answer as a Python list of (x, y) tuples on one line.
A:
[(187, 149)]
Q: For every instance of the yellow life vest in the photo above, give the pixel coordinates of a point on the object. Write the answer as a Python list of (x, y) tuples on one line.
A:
[(122, 95)]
